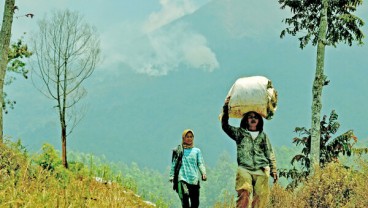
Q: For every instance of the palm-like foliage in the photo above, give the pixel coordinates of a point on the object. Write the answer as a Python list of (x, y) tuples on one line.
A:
[(330, 148)]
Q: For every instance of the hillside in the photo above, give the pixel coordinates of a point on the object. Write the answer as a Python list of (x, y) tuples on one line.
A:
[(40, 181)]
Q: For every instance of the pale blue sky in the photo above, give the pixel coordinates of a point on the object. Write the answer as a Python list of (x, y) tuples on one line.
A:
[(168, 65), (127, 28)]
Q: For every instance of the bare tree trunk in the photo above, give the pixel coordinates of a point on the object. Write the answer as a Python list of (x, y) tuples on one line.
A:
[(67, 50), (63, 145), (317, 88), (5, 35), (64, 84)]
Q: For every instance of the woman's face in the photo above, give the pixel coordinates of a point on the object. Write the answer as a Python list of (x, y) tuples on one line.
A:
[(188, 139)]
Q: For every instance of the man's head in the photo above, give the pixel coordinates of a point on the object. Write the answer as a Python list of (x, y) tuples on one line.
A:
[(252, 121), (188, 138)]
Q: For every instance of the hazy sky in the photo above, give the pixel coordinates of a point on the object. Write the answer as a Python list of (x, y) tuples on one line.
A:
[(167, 66), (122, 23)]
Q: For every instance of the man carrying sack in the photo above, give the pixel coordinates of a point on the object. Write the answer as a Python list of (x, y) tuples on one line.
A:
[(255, 157)]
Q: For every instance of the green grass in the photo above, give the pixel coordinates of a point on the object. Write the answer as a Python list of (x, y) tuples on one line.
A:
[(40, 181)]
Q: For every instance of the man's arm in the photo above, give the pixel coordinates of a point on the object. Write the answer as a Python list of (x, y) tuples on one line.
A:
[(231, 131), (272, 158)]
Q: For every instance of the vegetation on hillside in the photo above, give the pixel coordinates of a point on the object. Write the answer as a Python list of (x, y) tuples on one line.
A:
[(331, 186), (41, 181)]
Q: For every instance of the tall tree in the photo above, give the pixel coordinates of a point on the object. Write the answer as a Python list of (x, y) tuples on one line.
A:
[(18, 51), (5, 35), (324, 23), (67, 50)]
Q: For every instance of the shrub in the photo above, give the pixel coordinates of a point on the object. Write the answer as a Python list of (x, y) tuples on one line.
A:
[(330, 149), (49, 159), (331, 186)]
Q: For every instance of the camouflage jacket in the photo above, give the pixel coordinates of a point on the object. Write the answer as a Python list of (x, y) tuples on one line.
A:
[(252, 154)]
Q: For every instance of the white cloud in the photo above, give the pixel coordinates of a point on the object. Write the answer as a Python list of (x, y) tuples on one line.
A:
[(169, 48), (197, 54), (171, 10), (159, 51)]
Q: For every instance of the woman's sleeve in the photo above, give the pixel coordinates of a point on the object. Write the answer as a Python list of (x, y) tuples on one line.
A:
[(200, 160)]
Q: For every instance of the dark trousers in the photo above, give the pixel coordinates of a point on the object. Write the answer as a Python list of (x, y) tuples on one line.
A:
[(189, 195)]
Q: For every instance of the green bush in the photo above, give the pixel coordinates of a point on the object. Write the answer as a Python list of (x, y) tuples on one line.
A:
[(49, 159)]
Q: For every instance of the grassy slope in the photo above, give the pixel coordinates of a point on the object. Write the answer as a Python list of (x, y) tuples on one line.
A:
[(42, 182)]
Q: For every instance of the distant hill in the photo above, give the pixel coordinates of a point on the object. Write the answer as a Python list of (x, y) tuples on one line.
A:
[(134, 117)]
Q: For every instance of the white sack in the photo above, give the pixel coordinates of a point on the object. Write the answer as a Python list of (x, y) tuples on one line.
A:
[(252, 94)]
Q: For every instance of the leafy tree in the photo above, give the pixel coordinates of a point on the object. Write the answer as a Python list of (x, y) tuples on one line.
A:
[(330, 148), (10, 57), (5, 35), (67, 50), (324, 23), (17, 52)]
